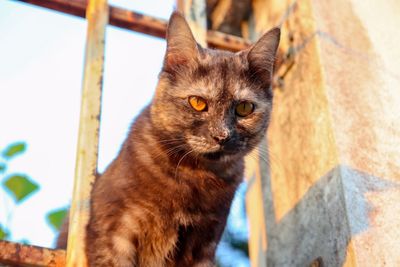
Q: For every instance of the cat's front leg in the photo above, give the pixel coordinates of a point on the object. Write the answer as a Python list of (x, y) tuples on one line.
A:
[(205, 263), (206, 255), (110, 250)]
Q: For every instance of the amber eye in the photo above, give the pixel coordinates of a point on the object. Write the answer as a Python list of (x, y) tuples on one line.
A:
[(244, 109), (198, 103)]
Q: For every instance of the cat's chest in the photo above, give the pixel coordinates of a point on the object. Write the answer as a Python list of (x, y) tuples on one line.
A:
[(202, 201)]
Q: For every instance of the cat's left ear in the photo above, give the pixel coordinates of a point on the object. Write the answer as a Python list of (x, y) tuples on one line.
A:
[(261, 56), (182, 48)]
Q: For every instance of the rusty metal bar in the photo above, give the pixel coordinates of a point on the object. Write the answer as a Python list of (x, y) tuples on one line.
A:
[(256, 171), (257, 165), (138, 22), (259, 196), (86, 162), (15, 254)]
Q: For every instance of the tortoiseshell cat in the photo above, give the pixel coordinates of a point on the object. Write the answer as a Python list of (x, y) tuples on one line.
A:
[(164, 200)]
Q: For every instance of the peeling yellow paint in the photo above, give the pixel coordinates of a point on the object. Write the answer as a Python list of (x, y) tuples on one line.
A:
[(86, 162)]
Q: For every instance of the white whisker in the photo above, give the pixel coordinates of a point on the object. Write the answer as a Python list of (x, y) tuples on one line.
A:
[(177, 166)]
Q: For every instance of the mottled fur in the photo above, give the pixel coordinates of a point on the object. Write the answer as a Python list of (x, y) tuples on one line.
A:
[(164, 200)]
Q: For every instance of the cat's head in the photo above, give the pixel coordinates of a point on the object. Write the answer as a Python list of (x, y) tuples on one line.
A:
[(212, 104)]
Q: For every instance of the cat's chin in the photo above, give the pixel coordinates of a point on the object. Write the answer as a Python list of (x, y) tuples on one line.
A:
[(221, 156), (213, 155)]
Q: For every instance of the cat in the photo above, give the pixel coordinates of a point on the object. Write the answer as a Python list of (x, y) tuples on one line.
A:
[(164, 200)]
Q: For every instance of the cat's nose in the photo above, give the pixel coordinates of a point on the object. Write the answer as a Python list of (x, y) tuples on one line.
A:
[(221, 137)]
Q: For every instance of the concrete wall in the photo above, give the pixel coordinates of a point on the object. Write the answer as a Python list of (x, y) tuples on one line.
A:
[(332, 190)]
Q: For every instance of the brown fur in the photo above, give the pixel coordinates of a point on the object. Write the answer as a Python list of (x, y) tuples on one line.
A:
[(164, 200)]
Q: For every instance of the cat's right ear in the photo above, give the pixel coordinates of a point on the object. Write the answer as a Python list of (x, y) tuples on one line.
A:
[(182, 48)]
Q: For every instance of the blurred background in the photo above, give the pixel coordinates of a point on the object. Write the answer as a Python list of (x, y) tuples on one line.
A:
[(41, 67)]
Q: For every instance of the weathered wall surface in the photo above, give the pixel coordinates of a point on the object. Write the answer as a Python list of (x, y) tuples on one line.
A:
[(333, 187), (364, 100)]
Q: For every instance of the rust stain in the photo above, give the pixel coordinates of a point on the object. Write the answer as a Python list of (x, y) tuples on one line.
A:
[(138, 16), (26, 255), (138, 22)]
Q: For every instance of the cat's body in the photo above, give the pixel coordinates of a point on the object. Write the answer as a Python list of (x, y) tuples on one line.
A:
[(158, 211), (164, 200)]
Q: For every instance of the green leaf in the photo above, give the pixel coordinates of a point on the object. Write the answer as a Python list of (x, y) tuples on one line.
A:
[(3, 167), (20, 186), (56, 217), (3, 233), (14, 149)]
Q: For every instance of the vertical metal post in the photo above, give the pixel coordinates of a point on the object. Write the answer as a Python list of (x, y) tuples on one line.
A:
[(259, 195), (86, 162), (256, 171), (196, 15)]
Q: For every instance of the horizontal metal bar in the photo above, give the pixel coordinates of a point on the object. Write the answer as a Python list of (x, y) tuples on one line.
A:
[(16, 254), (138, 22)]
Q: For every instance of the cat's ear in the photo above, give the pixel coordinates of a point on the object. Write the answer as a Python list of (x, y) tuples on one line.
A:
[(182, 48), (261, 56)]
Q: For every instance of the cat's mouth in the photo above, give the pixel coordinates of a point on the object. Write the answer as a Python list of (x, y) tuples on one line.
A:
[(219, 154), (212, 151)]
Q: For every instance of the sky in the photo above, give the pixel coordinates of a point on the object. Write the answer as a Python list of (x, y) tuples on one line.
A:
[(41, 67)]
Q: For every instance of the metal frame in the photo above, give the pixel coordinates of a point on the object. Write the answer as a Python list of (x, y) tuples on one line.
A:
[(138, 22)]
